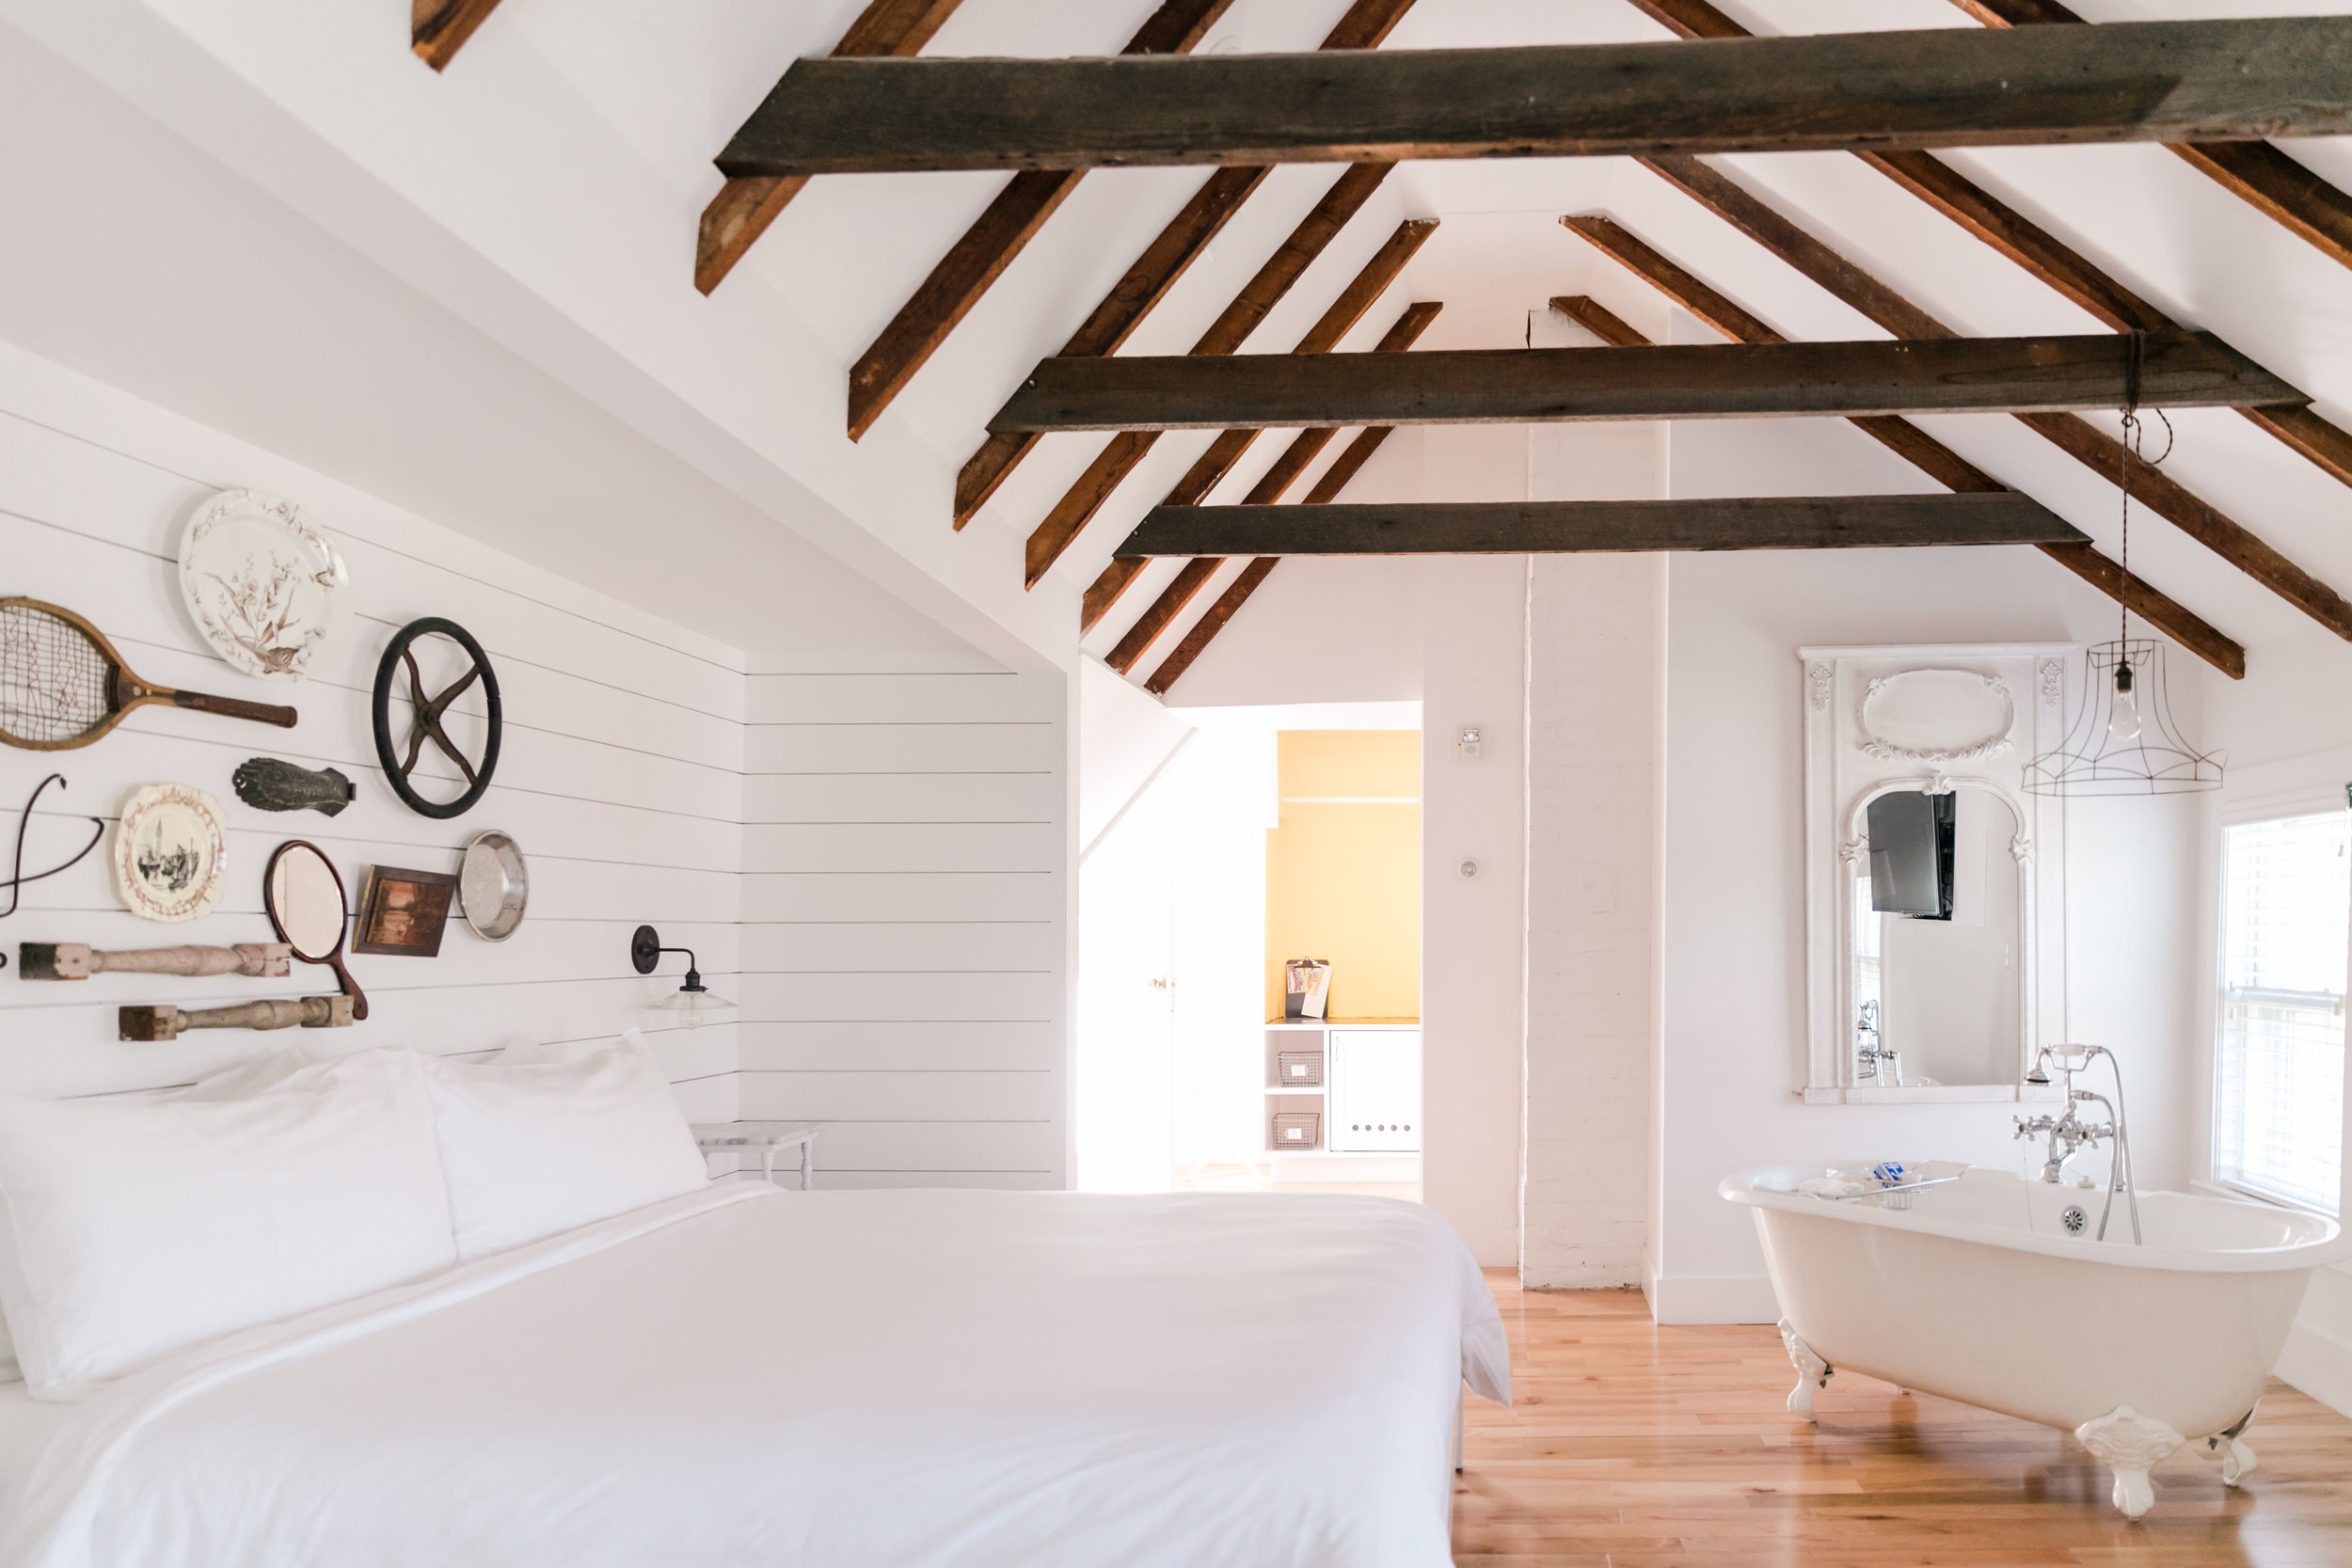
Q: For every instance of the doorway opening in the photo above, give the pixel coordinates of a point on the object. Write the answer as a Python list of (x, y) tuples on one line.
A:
[(1263, 839)]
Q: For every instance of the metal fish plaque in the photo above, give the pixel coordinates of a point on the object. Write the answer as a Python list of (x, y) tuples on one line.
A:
[(267, 783)]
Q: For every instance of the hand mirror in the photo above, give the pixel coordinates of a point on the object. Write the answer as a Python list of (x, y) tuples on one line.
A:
[(306, 903)]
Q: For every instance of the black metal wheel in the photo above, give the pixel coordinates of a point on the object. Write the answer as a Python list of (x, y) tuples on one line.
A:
[(425, 722)]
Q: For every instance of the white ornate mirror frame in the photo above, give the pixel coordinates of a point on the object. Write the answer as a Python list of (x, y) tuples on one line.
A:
[(1931, 717)]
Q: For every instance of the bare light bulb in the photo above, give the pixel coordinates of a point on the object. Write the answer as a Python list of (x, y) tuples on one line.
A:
[(2124, 720)]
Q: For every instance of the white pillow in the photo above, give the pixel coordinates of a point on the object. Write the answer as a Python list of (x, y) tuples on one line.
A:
[(131, 1227), (535, 1147)]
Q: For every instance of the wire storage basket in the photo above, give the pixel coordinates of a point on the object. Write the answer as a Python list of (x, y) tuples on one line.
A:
[(1297, 1130), (1299, 1070)]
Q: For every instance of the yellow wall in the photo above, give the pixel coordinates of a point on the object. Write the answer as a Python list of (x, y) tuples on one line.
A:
[(1343, 882)]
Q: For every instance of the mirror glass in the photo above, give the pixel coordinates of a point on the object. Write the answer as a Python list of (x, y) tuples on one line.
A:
[(1937, 977), (307, 902)]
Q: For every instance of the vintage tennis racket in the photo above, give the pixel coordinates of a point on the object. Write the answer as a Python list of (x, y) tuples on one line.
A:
[(62, 685)]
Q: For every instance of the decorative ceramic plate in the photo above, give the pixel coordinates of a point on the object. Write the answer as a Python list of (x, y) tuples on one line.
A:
[(493, 885), (171, 852), (262, 584)]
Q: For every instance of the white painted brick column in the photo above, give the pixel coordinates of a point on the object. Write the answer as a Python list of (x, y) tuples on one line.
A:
[(1595, 775)]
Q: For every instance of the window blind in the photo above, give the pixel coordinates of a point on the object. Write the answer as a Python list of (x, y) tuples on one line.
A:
[(2286, 926)]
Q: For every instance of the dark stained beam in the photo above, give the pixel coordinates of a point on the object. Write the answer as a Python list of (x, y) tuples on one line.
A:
[(438, 29), (1683, 381), (2141, 81), (2297, 197), (1226, 334), (1924, 452), (2255, 172), (1365, 26), (2105, 455), (1521, 528), (1213, 620), (1599, 320), (1320, 340), (997, 236), (1279, 476), (1349, 462), (745, 207)]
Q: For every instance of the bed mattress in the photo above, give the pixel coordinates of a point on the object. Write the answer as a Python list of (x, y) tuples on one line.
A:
[(862, 1378)]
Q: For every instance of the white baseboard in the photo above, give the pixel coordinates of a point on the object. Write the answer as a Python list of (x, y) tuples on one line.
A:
[(2320, 1365), (1712, 1299)]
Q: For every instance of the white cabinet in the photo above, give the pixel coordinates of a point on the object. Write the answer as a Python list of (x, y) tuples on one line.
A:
[(1350, 1087), (1376, 1091)]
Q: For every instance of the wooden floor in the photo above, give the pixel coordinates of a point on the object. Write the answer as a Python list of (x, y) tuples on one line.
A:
[(1639, 1447)]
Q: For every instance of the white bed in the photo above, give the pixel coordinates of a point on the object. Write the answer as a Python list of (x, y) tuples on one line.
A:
[(859, 1378)]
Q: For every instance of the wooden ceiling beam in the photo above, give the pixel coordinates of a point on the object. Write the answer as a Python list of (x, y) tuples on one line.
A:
[(2076, 436), (1357, 298), (2253, 171), (1000, 233), (1279, 476), (1162, 611), (1682, 381), (1226, 334), (2143, 81), (1924, 452), (1365, 26), (1544, 527), (2282, 187), (1344, 468), (1213, 620), (438, 29), (745, 207), (1599, 320)]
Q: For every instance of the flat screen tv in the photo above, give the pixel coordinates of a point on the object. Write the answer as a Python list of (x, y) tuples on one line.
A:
[(1911, 854)]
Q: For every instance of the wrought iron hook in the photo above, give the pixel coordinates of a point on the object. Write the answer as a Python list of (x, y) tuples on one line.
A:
[(15, 884)]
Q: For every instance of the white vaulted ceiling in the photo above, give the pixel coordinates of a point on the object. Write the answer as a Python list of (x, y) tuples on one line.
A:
[(543, 192)]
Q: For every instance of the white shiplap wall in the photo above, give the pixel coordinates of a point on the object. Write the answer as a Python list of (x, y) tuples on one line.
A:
[(906, 924), (621, 775)]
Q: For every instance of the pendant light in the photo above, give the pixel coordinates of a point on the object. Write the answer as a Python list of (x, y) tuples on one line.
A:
[(2124, 741)]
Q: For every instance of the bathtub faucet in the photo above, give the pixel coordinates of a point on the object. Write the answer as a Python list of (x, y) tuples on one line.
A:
[(2069, 1135)]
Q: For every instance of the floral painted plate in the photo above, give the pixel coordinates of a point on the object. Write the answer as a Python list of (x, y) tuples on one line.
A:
[(170, 853), (263, 585)]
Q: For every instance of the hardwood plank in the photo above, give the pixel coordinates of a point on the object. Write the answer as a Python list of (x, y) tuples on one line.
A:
[(1364, 25), (2145, 81), (1358, 298), (1225, 335), (2078, 438), (1000, 233), (1213, 620), (1597, 319), (1931, 456), (1632, 1443), (1520, 527), (1682, 381), (1163, 611), (438, 29), (745, 208)]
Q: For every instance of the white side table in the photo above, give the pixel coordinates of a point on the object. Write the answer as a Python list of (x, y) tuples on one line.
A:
[(768, 1137)]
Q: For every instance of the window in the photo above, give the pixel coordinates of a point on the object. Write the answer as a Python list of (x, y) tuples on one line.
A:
[(2286, 898)]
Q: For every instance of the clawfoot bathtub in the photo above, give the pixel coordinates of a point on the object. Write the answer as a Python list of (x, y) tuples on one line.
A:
[(1989, 1291)]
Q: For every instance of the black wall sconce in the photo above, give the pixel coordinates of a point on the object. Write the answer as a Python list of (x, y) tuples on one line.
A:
[(693, 1002)]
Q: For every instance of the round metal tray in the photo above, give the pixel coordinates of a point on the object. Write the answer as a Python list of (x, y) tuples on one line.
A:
[(493, 885)]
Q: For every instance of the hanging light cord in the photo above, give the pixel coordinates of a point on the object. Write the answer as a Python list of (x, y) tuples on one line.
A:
[(2133, 446)]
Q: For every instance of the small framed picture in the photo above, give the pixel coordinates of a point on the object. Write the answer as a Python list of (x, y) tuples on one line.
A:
[(402, 913)]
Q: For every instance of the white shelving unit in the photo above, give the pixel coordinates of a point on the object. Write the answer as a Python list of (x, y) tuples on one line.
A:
[(1389, 1074)]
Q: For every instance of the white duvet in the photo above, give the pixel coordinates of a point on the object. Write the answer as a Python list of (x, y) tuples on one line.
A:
[(866, 1379)]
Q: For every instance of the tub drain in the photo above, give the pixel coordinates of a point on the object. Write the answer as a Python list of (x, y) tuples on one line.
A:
[(2073, 1219)]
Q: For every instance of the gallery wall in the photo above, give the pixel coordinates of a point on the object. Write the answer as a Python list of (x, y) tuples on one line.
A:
[(620, 776)]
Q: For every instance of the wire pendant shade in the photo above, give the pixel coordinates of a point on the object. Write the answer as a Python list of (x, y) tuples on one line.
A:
[(2092, 760)]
